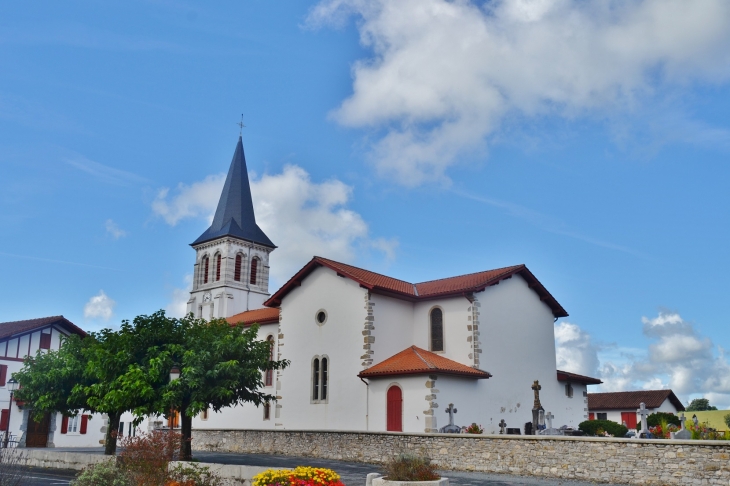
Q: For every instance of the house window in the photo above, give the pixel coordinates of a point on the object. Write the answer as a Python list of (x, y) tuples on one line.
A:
[(46, 341), (569, 390), (73, 424), (254, 271), (267, 411), (320, 379), (205, 269), (217, 267), (269, 377), (121, 429), (320, 317), (437, 330), (237, 268), (602, 416), (204, 415)]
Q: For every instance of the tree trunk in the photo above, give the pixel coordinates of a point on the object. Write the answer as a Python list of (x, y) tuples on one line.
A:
[(186, 424), (110, 444)]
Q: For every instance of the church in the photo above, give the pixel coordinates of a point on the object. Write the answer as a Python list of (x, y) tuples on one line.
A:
[(370, 352)]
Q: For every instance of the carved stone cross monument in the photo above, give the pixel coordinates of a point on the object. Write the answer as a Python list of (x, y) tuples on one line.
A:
[(536, 407), (643, 413), (549, 418), (682, 433), (502, 425), (451, 411), (451, 428), (536, 388)]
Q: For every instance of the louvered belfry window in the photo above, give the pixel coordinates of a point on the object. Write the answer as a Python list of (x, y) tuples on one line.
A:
[(237, 269), (205, 270), (254, 270), (437, 330), (217, 267)]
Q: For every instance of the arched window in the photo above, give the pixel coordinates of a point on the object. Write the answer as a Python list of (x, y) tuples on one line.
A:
[(237, 268), (269, 377), (267, 411), (324, 379), (217, 267), (254, 270), (315, 380), (205, 269), (437, 330)]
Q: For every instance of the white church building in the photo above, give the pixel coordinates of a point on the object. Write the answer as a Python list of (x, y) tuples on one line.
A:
[(372, 352)]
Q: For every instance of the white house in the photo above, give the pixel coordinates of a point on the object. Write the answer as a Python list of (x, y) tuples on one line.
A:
[(19, 339), (621, 407), (371, 352)]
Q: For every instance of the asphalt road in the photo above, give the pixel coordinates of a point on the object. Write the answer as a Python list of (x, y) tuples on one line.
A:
[(352, 473), (36, 476)]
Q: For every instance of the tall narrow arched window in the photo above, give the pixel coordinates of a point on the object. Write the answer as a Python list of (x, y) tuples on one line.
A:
[(324, 379), (269, 376), (315, 379), (217, 267), (437, 330), (205, 269), (237, 268), (254, 270)]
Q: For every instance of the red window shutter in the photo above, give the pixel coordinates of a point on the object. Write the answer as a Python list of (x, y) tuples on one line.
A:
[(46, 341), (84, 422), (4, 417), (64, 425), (591, 416), (3, 374), (629, 419)]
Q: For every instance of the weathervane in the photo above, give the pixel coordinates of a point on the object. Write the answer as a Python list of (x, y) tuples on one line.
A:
[(241, 125)]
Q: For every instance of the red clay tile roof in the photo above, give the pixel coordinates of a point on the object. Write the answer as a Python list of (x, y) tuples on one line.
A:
[(463, 284), (17, 327), (415, 360), (576, 378), (631, 400), (267, 315)]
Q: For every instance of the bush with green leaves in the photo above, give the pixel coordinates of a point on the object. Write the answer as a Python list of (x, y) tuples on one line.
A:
[(406, 467), (598, 427), (193, 475), (103, 474), (727, 420), (656, 418)]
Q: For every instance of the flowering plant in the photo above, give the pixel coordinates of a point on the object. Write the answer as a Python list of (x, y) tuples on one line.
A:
[(474, 429), (300, 476)]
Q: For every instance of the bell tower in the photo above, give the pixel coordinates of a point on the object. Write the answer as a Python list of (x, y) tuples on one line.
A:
[(232, 256)]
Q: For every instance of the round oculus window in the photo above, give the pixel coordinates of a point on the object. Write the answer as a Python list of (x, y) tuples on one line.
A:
[(321, 317)]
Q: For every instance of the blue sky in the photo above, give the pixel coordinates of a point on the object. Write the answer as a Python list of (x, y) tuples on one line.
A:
[(421, 139)]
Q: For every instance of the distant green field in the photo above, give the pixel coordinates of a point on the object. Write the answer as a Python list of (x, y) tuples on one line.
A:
[(714, 418)]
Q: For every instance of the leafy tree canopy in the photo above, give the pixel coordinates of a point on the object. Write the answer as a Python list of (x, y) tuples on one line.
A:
[(699, 405)]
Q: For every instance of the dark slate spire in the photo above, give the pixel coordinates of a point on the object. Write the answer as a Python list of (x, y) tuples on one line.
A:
[(235, 216)]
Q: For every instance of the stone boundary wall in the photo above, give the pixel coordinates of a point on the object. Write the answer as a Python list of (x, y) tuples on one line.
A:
[(624, 461)]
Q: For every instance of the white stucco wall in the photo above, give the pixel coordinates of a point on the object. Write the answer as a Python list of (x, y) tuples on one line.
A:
[(615, 415)]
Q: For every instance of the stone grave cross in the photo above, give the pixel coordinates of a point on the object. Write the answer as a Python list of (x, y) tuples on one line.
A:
[(502, 425), (451, 411), (536, 388), (549, 417), (682, 419), (643, 413)]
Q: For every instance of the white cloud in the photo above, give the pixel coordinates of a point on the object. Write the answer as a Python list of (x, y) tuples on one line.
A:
[(303, 218), (678, 357), (100, 306), (177, 307), (443, 75), (114, 230)]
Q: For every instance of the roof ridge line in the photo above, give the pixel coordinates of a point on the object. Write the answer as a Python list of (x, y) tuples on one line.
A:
[(364, 270), (470, 274), (430, 366)]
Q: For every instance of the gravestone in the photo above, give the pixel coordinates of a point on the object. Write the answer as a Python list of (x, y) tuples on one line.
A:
[(528, 428), (549, 430), (536, 409), (513, 431), (682, 433), (502, 425), (643, 413), (451, 428)]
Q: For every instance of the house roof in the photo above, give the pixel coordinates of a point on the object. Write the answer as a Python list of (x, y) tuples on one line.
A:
[(234, 215), (267, 315), (631, 400), (8, 329), (576, 378), (459, 285), (415, 360)]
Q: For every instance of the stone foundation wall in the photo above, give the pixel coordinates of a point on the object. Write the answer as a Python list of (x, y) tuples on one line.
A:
[(627, 461)]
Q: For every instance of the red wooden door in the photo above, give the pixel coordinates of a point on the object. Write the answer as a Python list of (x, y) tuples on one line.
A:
[(629, 419), (395, 409)]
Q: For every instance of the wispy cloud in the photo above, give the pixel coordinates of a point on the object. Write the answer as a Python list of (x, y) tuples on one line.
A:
[(113, 230), (105, 173), (545, 222), (51, 260)]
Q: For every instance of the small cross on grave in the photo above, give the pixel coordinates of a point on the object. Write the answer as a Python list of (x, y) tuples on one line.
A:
[(643, 413), (451, 411), (682, 433), (502, 425), (549, 417), (682, 419)]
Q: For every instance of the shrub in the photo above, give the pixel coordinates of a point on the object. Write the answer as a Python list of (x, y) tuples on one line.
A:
[(145, 457), (189, 475), (410, 468), (474, 429), (300, 476), (102, 474), (592, 427), (727, 420), (660, 418)]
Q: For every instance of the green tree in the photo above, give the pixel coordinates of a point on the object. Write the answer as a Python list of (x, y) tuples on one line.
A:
[(699, 405), (727, 420)]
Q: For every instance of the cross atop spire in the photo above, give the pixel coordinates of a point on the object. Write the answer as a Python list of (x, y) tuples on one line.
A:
[(241, 125), (234, 215)]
